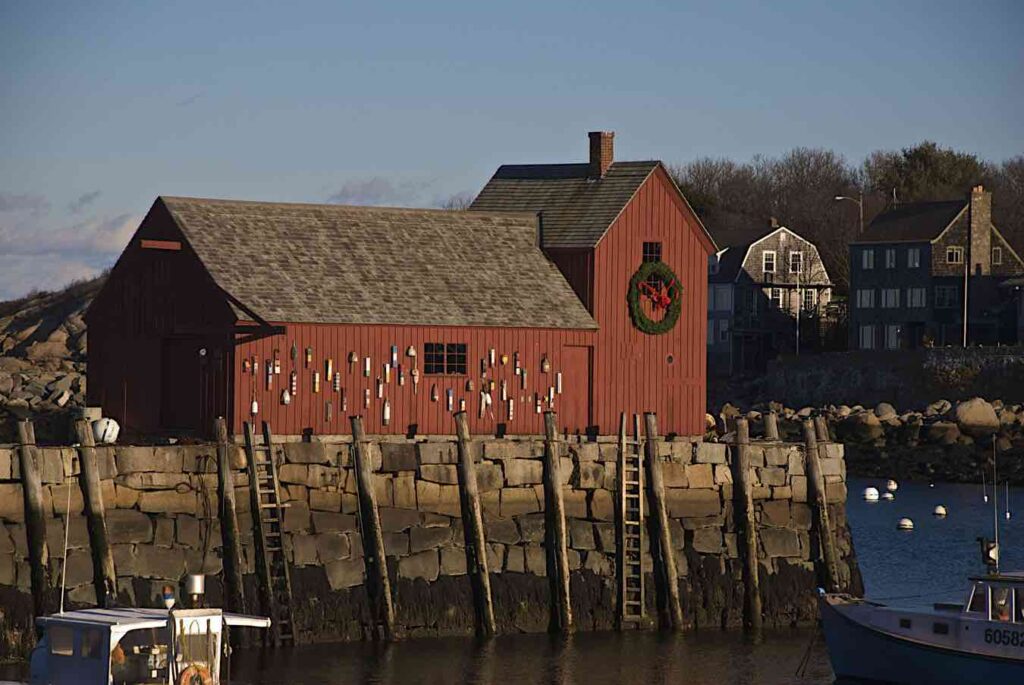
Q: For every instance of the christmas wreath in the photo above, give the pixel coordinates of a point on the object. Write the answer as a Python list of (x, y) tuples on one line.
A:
[(656, 282)]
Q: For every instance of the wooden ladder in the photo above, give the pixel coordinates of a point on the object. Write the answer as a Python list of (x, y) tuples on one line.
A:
[(631, 525), (267, 517)]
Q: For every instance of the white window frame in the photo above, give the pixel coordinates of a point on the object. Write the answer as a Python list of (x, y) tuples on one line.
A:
[(917, 298), (867, 258), (890, 298), (954, 254), (950, 294), (890, 258), (764, 262), (866, 334), (913, 258), (796, 259), (866, 298), (808, 300), (997, 255), (892, 336), (772, 300)]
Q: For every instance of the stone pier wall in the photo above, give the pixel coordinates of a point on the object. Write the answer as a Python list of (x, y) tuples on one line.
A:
[(162, 509)]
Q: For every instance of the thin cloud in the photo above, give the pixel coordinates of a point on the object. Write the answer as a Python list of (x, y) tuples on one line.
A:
[(382, 191), (189, 100), (23, 202), (83, 201)]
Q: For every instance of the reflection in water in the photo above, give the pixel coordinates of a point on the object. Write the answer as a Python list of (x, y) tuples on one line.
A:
[(711, 658)]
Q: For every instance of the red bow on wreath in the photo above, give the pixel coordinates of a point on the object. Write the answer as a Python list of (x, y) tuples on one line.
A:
[(659, 297)]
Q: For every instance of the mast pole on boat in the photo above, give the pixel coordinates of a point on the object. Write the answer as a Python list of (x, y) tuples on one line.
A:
[(995, 499)]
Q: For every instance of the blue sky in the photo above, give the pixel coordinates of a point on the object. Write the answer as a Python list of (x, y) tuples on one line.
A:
[(104, 106)]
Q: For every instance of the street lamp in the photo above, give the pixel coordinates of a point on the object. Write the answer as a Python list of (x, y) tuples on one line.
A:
[(860, 205)]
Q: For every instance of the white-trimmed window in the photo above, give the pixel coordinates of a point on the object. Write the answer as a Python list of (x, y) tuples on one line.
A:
[(892, 337), (890, 258), (768, 261), (866, 337), (890, 298), (775, 296), (723, 330), (916, 297), (796, 262), (946, 296), (954, 254), (865, 298), (913, 257), (867, 258), (997, 255), (809, 297)]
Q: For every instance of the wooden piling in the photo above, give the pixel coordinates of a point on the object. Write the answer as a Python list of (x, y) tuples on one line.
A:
[(671, 616), (743, 494), (821, 429), (556, 534), (473, 531), (227, 512), (377, 582), (104, 577), (816, 496), (771, 427), (35, 524)]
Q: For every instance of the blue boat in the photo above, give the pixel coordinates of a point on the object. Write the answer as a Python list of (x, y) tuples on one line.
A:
[(980, 641)]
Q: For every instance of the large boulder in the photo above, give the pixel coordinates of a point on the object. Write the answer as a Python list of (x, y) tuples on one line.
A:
[(976, 417), (863, 427), (885, 411), (943, 433), (938, 408)]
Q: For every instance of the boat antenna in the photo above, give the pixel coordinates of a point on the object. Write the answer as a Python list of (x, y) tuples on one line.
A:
[(995, 498), (984, 490), (1007, 498), (64, 566)]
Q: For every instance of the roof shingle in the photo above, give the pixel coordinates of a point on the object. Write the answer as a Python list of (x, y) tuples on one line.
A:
[(375, 265), (912, 222)]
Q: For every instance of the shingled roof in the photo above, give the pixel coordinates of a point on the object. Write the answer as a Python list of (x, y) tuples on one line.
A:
[(577, 209), (913, 222), (374, 265)]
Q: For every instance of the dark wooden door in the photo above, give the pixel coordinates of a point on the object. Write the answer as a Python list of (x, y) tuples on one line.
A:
[(193, 389), (575, 402)]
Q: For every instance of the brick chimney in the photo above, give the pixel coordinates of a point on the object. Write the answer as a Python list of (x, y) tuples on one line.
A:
[(980, 214), (602, 152)]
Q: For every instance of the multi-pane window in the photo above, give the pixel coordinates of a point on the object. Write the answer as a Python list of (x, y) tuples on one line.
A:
[(867, 258), (796, 262), (890, 298), (866, 337), (865, 298), (997, 255), (449, 358), (892, 337), (775, 296), (946, 296), (954, 254), (914, 257), (768, 261), (890, 258), (808, 299), (916, 297), (652, 252)]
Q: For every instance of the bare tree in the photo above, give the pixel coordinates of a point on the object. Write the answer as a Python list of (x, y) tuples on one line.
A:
[(458, 201)]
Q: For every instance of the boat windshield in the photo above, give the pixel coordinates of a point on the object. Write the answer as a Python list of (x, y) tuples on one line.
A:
[(140, 656)]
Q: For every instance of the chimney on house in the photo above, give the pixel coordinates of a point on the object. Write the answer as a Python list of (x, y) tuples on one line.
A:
[(774, 222), (602, 152), (980, 215)]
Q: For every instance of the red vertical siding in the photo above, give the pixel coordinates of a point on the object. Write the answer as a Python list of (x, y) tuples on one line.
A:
[(306, 410), (632, 371)]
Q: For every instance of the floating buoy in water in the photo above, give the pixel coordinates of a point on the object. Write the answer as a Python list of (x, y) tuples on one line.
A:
[(905, 524), (939, 511), (871, 494), (888, 496), (891, 486)]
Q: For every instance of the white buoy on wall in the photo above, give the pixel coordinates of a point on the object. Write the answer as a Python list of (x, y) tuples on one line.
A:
[(871, 494), (939, 511), (892, 486), (905, 524)]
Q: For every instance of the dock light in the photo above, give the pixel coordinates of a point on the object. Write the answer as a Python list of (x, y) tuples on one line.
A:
[(195, 588)]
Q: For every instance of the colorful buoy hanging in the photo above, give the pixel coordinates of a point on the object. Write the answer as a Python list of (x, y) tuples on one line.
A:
[(504, 359), (344, 401), (286, 397), (254, 408), (352, 361), (545, 365), (293, 382), (469, 385), (387, 372), (451, 398), (523, 374), (316, 381), (415, 380), (337, 381), (270, 374), (309, 356), (380, 387), (366, 398), (328, 367), (386, 412), (277, 362), (511, 409), (515, 362), (558, 382), (394, 355), (433, 393), (366, 367), (294, 351), (490, 356), (504, 390), (401, 376), (328, 411)]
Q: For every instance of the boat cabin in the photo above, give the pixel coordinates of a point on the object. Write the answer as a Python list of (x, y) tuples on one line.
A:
[(998, 597), (130, 645)]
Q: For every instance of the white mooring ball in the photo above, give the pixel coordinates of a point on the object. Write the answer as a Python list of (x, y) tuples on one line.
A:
[(939, 510), (105, 431), (892, 486), (905, 524), (888, 496), (871, 494)]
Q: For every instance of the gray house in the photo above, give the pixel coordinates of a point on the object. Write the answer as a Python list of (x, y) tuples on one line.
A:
[(910, 268), (767, 294)]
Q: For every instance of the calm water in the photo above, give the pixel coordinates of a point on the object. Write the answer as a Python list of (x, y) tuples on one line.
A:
[(921, 567)]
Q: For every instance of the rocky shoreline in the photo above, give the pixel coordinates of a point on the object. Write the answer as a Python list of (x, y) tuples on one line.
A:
[(940, 442)]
